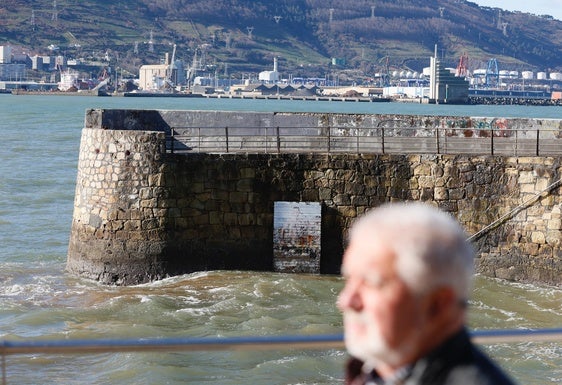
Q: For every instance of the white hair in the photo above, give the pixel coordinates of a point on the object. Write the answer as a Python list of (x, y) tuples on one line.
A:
[(431, 247)]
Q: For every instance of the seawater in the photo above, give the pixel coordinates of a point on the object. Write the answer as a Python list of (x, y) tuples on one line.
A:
[(40, 138)]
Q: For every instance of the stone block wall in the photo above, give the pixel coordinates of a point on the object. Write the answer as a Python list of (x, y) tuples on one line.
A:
[(118, 230), (141, 213)]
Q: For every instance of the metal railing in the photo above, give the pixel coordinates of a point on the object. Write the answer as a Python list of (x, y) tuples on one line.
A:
[(388, 137), (511, 213), (98, 346)]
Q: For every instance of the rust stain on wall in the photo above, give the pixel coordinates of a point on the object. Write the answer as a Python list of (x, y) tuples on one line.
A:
[(296, 237)]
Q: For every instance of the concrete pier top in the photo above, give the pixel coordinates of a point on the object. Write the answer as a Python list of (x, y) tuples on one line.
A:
[(163, 120)]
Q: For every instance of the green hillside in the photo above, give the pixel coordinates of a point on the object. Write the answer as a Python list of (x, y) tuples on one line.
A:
[(238, 36)]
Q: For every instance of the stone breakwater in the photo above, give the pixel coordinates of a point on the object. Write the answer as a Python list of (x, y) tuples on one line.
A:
[(142, 213), (118, 234)]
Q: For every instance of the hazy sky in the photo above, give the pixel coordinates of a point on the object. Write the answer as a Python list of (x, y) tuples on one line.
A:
[(538, 7)]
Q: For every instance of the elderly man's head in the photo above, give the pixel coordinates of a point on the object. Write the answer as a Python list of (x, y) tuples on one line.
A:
[(408, 271)]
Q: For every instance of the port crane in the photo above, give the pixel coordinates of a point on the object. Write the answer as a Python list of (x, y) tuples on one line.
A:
[(462, 68), (170, 71), (385, 78), (492, 73)]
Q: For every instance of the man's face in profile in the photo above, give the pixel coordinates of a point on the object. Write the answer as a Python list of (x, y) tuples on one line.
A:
[(382, 317)]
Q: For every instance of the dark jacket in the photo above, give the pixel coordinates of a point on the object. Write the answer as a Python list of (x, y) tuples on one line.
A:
[(456, 362)]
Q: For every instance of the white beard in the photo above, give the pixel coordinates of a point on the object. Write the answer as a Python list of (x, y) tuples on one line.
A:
[(370, 346)]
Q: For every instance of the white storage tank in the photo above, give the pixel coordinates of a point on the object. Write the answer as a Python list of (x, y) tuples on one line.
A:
[(480, 72), (475, 81), (395, 74), (555, 76), (527, 75), (541, 75), (427, 71)]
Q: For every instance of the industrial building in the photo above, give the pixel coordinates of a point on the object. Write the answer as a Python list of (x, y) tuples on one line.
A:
[(158, 77), (269, 77), (8, 70), (445, 87)]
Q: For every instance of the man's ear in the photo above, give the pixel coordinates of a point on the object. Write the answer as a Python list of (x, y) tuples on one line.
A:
[(441, 300)]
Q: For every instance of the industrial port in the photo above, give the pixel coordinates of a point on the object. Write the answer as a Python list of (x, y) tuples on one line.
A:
[(172, 77)]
